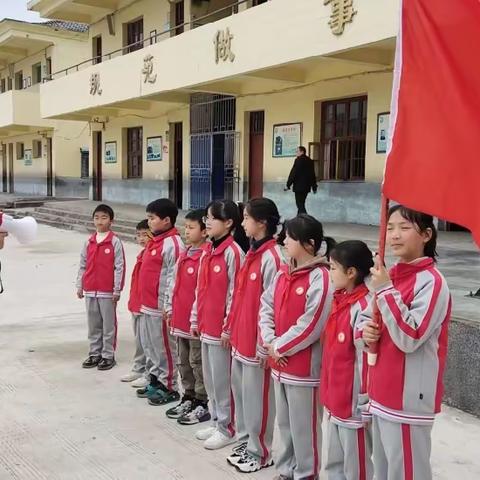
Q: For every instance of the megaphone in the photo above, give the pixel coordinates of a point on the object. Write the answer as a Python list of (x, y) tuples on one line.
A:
[(23, 229)]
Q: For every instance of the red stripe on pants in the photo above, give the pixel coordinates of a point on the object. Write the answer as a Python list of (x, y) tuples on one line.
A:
[(407, 452), (265, 413), (314, 425), (362, 475)]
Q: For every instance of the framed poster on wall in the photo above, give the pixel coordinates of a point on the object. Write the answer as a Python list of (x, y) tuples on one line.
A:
[(27, 158), (286, 139), (154, 149), (110, 152), (383, 125)]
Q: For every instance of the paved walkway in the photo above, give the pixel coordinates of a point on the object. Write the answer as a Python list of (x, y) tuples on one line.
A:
[(59, 422)]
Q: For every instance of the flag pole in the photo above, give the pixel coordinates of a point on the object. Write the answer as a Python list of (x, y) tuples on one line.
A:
[(377, 318)]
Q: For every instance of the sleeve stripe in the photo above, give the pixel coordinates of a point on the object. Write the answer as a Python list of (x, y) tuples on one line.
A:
[(397, 314)]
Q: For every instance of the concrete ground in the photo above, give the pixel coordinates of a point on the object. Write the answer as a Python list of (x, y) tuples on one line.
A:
[(61, 422)]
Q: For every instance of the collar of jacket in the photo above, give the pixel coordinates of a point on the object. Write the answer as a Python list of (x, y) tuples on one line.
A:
[(317, 261), (257, 244), (171, 232), (221, 245), (107, 239), (401, 270)]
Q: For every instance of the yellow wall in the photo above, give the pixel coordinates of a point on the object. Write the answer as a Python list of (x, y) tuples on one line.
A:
[(299, 106)]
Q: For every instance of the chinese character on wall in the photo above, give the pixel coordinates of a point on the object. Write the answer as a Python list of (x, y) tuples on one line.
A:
[(95, 88), (147, 70), (223, 46), (342, 13)]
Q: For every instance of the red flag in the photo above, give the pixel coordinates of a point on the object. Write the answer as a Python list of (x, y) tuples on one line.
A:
[(434, 160)]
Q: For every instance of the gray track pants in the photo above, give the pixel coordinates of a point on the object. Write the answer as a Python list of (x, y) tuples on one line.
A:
[(299, 418), (349, 453), (252, 388), (139, 360), (160, 350), (102, 326), (401, 451), (216, 362)]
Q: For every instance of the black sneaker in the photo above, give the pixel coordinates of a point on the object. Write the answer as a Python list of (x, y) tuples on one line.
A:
[(183, 408), (198, 414), (106, 363), (238, 452), (163, 397), (249, 464), (92, 361), (148, 391)]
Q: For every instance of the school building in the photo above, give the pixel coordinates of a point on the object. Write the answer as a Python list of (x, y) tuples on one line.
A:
[(38, 155), (205, 99)]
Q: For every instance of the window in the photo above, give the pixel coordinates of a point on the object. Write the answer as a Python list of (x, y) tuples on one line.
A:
[(48, 68), (97, 49), (258, 2), (37, 73), (19, 81), (10, 84), (20, 150), (37, 149), (134, 152), (344, 125), (134, 36), (2, 85)]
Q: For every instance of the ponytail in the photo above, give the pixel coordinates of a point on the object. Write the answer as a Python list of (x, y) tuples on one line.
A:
[(228, 210)]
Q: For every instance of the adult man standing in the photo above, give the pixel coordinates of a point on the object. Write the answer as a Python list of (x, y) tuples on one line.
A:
[(302, 177)]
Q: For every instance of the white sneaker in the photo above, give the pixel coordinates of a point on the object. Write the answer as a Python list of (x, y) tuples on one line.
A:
[(205, 433), (249, 464), (218, 440), (130, 377), (140, 382)]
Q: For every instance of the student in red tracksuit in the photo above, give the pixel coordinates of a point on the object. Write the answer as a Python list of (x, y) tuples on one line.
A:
[(406, 383), (100, 280), (193, 407), (251, 377), (293, 313), (219, 267), (138, 375), (156, 274), (343, 385)]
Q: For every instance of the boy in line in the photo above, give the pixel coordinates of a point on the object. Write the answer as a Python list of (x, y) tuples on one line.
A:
[(100, 280)]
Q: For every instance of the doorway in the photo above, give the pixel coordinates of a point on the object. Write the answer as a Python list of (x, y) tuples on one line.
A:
[(49, 168), (4, 169), (11, 177), (255, 159), (97, 166), (177, 193)]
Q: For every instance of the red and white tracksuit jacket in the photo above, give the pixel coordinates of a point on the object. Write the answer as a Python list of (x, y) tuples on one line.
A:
[(406, 384), (343, 384), (156, 274), (134, 301), (293, 313), (102, 267), (181, 294), (256, 275), (215, 289)]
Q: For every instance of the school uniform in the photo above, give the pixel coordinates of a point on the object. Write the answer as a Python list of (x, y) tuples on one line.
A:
[(179, 306), (292, 316), (134, 307), (219, 266), (406, 384), (156, 274), (343, 389), (251, 385), (101, 276)]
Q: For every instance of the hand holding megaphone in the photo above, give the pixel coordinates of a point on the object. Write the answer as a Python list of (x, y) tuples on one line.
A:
[(23, 229)]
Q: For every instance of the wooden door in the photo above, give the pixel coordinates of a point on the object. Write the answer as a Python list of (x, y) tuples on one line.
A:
[(134, 152), (97, 166), (49, 168), (97, 49), (178, 163), (255, 162), (179, 17), (11, 177)]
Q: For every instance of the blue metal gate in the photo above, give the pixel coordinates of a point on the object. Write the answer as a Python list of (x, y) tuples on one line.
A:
[(200, 169)]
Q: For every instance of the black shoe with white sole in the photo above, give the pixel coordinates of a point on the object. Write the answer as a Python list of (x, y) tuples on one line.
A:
[(249, 464), (198, 414), (92, 361), (106, 364), (238, 452), (183, 408)]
